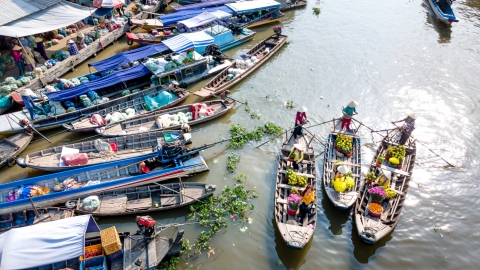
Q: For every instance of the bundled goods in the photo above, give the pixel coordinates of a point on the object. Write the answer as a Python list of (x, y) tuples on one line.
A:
[(135, 91), (152, 66), (200, 110), (92, 77), (56, 108), (47, 107), (60, 36), (83, 79), (31, 74), (88, 40), (75, 159), (9, 80), (71, 109), (91, 204), (116, 117), (85, 101), (161, 99), (25, 80), (65, 54), (55, 41), (75, 81), (39, 71), (93, 95), (68, 104)]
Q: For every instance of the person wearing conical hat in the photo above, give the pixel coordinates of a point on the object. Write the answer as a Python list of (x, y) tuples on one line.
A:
[(40, 47), (72, 47), (300, 119), (17, 57), (296, 156), (348, 112), (29, 104), (407, 127), (29, 58)]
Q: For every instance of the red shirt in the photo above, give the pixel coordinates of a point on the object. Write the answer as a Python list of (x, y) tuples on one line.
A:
[(301, 117), (17, 56)]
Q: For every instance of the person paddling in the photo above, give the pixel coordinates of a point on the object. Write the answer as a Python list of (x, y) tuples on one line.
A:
[(407, 127), (348, 112), (300, 119)]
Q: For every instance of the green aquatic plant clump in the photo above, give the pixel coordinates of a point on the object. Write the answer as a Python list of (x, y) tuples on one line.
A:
[(240, 136), (232, 160)]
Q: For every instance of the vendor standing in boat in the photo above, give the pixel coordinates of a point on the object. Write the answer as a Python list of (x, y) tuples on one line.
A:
[(300, 119), (407, 127), (308, 197), (30, 105), (348, 112), (296, 156)]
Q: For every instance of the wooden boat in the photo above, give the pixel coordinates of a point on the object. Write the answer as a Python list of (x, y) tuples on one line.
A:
[(289, 6), (147, 24), (372, 229), (137, 145), (64, 243), (144, 39), (112, 175), (27, 217), (146, 199), (295, 236), (136, 102), (221, 82), (147, 123), (12, 146), (333, 158), (443, 10)]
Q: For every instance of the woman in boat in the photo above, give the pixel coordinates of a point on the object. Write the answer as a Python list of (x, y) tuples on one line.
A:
[(300, 119), (407, 127), (348, 112), (341, 172), (173, 86), (308, 197), (296, 156), (384, 179), (30, 105)]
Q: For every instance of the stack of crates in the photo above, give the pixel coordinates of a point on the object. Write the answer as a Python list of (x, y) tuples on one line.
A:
[(111, 243)]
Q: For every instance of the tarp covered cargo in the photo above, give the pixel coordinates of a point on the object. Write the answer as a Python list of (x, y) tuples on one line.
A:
[(185, 41), (109, 80), (54, 17), (205, 18), (187, 14), (45, 243), (252, 6), (203, 4), (123, 58)]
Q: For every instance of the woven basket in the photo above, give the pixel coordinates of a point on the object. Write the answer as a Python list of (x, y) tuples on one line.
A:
[(110, 240)]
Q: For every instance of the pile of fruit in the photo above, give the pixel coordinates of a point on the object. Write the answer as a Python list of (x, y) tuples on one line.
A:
[(343, 143), (390, 193), (92, 253), (295, 179)]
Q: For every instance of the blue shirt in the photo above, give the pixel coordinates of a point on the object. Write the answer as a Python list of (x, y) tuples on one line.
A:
[(349, 111), (28, 102)]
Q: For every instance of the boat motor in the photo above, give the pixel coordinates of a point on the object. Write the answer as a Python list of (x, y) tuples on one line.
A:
[(214, 51), (146, 226), (235, 28)]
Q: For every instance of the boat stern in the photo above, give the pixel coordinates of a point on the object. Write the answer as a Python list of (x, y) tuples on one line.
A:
[(368, 237), (22, 162)]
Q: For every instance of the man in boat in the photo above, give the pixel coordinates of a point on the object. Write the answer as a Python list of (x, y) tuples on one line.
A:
[(300, 119), (407, 127), (29, 104), (348, 112), (173, 86), (296, 156)]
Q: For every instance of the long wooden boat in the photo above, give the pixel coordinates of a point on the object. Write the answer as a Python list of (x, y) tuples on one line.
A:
[(83, 181), (372, 229), (136, 145), (136, 102), (12, 146), (443, 10), (28, 218), (146, 199), (295, 236), (289, 6), (144, 39), (147, 123), (221, 82), (147, 24), (334, 158)]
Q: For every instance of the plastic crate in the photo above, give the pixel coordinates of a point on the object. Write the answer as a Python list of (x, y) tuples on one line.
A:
[(115, 256), (94, 262), (110, 240), (92, 248)]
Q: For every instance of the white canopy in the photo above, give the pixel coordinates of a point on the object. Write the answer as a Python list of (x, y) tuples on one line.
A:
[(54, 17), (45, 243), (204, 18), (252, 6)]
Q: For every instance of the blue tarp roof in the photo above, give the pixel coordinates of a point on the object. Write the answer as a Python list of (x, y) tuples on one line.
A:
[(123, 58), (185, 41), (252, 6), (203, 4), (45, 243), (109, 80), (187, 14)]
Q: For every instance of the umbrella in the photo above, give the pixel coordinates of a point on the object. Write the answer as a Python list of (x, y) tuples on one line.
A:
[(108, 3)]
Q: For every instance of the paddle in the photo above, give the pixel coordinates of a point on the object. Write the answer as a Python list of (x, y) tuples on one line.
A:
[(30, 126)]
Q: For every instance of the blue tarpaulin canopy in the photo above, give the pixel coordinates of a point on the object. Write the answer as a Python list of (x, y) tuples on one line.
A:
[(109, 80), (203, 4), (187, 14), (204, 18), (45, 243), (252, 6), (185, 41), (123, 58)]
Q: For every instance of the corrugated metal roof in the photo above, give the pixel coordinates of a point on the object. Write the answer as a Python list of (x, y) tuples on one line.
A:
[(12, 10)]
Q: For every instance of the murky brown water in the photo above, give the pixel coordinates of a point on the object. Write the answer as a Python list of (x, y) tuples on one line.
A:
[(392, 57)]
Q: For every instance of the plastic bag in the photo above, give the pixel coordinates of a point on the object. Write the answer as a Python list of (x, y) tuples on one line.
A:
[(98, 120), (161, 99), (75, 159), (90, 203)]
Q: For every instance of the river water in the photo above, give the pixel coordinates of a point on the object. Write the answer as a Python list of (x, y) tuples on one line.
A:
[(390, 56)]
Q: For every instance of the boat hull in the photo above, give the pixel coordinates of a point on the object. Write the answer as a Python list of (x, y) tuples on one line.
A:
[(20, 141), (446, 18)]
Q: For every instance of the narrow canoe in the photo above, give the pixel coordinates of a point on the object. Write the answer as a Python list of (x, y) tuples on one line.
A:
[(372, 229), (295, 236), (96, 179), (353, 161), (221, 83), (12, 146), (137, 103), (146, 199), (137, 145), (290, 6), (146, 123), (27, 217)]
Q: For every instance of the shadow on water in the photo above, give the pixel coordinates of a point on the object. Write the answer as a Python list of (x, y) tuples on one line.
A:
[(338, 218), (444, 31), (290, 258), (361, 251)]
